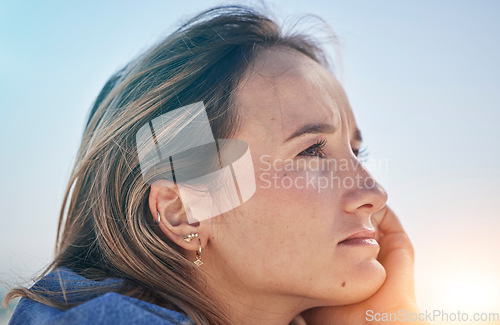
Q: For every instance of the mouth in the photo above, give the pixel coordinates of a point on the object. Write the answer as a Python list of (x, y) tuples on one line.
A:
[(365, 237)]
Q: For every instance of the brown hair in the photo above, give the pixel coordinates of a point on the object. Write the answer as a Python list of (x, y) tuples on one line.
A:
[(107, 231)]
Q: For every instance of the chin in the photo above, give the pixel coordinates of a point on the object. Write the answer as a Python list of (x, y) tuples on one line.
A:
[(365, 279), (350, 284)]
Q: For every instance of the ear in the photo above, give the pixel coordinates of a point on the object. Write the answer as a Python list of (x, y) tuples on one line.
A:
[(164, 198)]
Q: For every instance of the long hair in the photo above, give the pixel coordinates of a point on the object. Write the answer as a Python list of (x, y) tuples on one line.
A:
[(107, 228)]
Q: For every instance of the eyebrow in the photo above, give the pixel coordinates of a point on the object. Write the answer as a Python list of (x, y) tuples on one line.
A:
[(311, 129), (319, 128)]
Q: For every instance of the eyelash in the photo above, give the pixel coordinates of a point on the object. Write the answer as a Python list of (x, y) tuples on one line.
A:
[(319, 145), (361, 153)]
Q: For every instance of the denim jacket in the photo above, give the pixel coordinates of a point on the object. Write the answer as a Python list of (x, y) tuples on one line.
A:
[(104, 308)]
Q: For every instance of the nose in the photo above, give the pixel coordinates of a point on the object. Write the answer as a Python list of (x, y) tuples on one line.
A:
[(367, 196)]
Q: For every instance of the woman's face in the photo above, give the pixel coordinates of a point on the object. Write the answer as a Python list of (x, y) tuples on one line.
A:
[(311, 194)]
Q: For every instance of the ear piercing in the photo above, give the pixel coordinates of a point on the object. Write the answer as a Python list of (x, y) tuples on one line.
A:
[(198, 261), (188, 238)]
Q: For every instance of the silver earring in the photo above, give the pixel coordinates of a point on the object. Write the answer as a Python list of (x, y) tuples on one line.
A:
[(159, 218)]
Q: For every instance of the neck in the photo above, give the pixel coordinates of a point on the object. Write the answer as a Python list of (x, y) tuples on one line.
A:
[(245, 306), (249, 309)]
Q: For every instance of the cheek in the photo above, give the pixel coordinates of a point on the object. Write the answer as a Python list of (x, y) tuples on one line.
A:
[(285, 198), (297, 197), (287, 223)]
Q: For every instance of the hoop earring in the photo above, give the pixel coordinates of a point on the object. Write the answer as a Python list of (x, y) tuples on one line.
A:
[(198, 261), (159, 218)]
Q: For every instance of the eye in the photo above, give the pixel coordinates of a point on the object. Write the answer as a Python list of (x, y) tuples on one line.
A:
[(361, 153), (316, 150)]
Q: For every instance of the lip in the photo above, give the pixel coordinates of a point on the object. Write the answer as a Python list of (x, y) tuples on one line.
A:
[(363, 237)]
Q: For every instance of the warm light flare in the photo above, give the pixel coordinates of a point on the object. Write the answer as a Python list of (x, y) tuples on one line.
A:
[(476, 296)]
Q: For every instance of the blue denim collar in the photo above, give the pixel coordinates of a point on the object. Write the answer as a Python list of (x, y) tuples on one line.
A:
[(93, 308)]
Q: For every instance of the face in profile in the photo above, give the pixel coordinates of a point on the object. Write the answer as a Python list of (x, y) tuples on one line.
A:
[(312, 192)]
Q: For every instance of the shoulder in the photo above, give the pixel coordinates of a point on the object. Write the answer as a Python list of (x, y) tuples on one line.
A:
[(103, 308), (109, 308)]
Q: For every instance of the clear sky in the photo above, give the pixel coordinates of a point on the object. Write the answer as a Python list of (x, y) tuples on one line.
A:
[(423, 78)]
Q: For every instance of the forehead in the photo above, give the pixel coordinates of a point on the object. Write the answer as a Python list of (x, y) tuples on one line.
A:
[(284, 89)]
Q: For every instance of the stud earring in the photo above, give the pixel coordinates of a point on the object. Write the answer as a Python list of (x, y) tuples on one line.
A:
[(198, 261), (188, 238)]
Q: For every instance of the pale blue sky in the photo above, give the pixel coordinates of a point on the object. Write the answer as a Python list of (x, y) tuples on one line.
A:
[(423, 79)]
